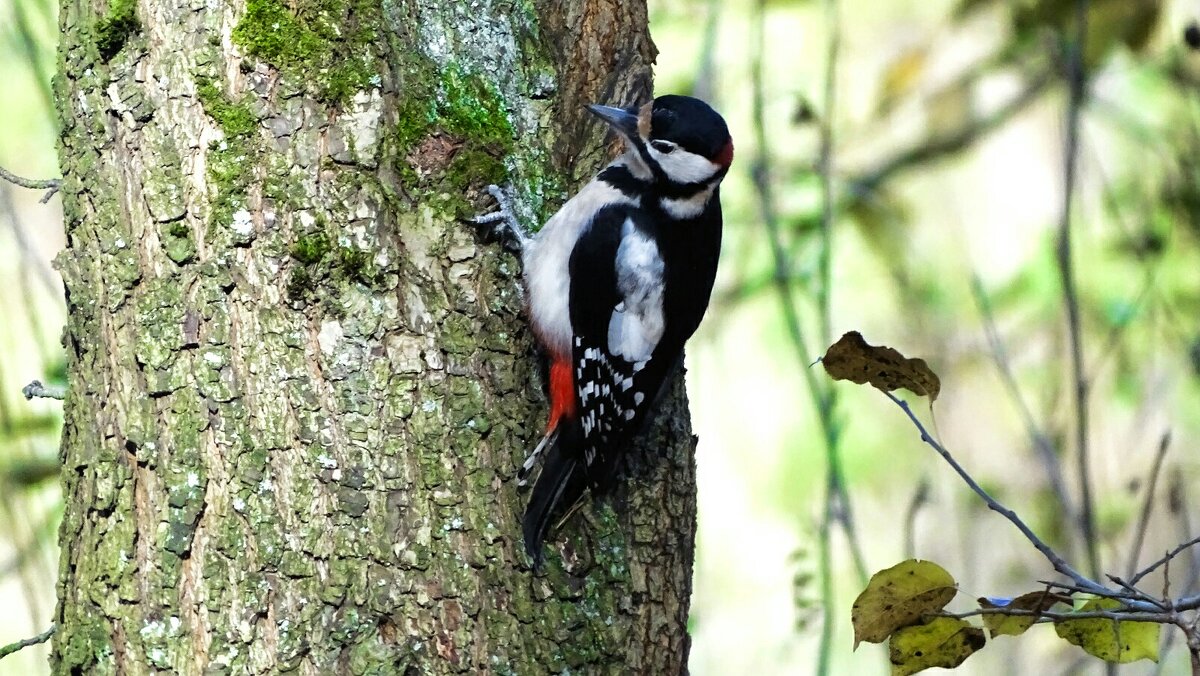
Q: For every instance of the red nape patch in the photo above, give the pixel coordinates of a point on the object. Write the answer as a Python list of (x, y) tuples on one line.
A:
[(725, 157), (562, 393)]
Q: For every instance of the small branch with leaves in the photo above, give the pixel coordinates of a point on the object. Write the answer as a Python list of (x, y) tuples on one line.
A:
[(906, 604)]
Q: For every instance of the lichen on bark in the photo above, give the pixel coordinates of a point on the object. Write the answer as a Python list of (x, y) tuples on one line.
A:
[(299, 385)]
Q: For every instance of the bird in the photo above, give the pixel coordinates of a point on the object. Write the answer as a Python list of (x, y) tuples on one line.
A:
[(615, 283)]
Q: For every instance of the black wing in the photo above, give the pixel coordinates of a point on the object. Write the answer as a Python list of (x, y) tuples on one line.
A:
[(617, 314), (622, 353)]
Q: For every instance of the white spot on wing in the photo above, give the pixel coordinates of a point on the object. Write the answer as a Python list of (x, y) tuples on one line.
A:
[(637, 322), (546, 260)]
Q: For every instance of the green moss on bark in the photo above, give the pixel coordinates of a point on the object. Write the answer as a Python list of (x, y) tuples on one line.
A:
[(231, 170), (328, 42), (235, 119), (311, 249), (112, 31), (470, 117)]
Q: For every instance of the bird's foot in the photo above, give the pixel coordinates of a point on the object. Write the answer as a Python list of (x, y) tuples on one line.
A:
[(503, 222)]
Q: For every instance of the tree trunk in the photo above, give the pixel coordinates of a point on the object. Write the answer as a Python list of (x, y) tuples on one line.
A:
[(299, 385)]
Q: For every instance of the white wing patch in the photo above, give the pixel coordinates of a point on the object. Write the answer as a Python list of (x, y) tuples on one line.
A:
[(547, 261), (637, 323)]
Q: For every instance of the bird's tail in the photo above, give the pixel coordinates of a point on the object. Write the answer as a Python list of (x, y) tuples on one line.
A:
[(559, 486)]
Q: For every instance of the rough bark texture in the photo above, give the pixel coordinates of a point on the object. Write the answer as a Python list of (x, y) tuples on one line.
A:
[(299, 387)]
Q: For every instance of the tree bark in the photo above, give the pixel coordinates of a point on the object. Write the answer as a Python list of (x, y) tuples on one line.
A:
[(299, 386)]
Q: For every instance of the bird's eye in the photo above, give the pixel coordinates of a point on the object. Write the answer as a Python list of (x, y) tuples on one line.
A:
[(664, 147)]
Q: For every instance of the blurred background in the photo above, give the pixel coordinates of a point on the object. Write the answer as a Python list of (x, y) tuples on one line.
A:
[(31, 319), (902, 171)]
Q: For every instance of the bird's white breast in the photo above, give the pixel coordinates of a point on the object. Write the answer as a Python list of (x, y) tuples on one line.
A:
[(546, 262)]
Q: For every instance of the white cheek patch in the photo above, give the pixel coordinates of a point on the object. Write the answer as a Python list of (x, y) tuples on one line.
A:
[(637, 322), (684, 167), (683, 208)]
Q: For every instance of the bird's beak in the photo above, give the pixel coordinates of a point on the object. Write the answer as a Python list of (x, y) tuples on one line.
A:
[(623, 121)]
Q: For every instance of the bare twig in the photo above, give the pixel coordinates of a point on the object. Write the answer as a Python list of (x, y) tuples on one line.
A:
[(11, 648), (1059, 564), (1135, 593), (952, 141), (51, 185), (1134, 579), (1052, 616), (919, 499), (1045, 450), (837, 507), (1132, 599), (1077, 87), (37, 389), (1139, 532), (1178, 502)]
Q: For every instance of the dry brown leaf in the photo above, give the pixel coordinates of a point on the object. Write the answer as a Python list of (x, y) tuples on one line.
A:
[(851, 358)]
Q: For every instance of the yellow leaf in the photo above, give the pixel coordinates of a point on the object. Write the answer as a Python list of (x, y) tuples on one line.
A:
[(1110, 640), (898, 597), (851, 358), (1015, 625), (943, 642)]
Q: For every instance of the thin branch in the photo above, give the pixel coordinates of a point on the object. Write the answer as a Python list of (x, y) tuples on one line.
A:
[(837, 507), (1132, 600), (954, 140), (1077, 87), (1170, 555), (833, 26), (1178, 500), (919, 499), (11, 648), (1135, 593), (37, 389), (1045, 451), (1055, 560), (1053, 616), (1139, 533), (51, 185)]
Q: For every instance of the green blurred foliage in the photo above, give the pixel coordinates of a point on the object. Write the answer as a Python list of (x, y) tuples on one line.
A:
[(947, 171), (31, 314), (947, 168)]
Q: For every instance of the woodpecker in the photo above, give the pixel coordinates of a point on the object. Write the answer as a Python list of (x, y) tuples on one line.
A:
[(615, 283)]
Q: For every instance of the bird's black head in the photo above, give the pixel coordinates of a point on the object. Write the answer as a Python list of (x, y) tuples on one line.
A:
[(680, 139), (691, 125)]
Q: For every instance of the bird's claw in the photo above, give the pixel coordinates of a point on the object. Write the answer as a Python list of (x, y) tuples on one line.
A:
[(503, 222)]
